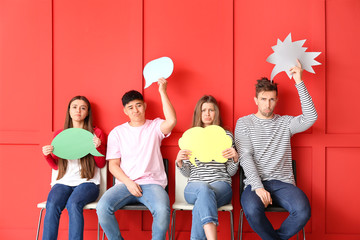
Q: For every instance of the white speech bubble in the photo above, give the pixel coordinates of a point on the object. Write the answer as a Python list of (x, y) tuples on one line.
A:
[(158, 68), (286, 53)]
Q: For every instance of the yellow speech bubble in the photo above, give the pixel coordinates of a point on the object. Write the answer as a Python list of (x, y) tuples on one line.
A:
[(206, 144)]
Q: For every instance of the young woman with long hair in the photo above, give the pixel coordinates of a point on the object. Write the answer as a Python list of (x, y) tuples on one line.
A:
[(209, 184), (77, 182)]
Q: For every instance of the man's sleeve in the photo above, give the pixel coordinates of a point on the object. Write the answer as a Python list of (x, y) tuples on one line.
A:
[(113, 146), (309, 115), (246, 155)]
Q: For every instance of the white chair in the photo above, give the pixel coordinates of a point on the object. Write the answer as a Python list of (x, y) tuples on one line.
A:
[(181, 204), (91, 206)]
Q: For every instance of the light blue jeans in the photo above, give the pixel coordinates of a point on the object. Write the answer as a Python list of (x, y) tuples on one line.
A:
[(285, 195), (207, 198), (74, 198), (154, 197)]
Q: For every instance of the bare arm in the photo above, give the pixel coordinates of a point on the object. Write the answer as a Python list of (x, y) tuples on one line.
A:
[(116, 171), (168, 109)]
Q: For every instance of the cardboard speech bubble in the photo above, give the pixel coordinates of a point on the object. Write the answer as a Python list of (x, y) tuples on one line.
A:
[(206, 144), (74, 143), (158, 68), (286, 53)]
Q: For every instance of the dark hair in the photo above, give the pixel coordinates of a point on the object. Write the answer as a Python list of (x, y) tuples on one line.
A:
[(87, 162), (197, 112), (264, 84), (130, 96)]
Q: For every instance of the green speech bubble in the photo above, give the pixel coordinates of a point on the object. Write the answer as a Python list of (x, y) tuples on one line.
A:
[(74, 143), (206, 144)]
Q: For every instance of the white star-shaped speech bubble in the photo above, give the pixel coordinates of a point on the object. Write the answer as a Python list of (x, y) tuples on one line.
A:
[(286, 53)]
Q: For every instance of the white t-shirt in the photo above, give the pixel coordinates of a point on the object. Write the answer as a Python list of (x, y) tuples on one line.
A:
[(72, 176)]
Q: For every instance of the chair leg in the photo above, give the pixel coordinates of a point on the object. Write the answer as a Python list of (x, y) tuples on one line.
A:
[(303, 230), (39, 224), (240, 227), (172, 236), (232, 225), (98, 231)]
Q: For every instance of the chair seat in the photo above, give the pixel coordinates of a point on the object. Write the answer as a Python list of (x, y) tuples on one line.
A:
[(87, 206), (275, 209), (135, 206), (187, 206), (91, 205), (41, 205)]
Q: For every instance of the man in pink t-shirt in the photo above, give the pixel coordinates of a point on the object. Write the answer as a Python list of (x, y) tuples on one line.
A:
[(135, 160)]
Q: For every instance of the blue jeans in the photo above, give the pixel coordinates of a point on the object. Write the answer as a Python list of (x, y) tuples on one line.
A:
[(74, 198), (207, 198), (154, 197), (285, 195)]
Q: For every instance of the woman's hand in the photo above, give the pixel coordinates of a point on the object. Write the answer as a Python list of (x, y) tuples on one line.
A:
[(47, 149), (97, 141), (182, 155), (230, 153)]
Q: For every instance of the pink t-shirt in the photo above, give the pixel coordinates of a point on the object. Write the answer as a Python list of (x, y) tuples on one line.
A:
[(139, 151)]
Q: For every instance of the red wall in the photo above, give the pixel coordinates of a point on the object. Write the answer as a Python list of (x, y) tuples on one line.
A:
[(53, 50)]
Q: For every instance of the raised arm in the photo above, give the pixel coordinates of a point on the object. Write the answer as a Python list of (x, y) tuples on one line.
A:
[(309, 115), (168, 109)]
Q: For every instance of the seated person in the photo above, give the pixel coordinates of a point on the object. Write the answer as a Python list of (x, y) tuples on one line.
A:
[(263, 143), (135, 161), (209, 184)]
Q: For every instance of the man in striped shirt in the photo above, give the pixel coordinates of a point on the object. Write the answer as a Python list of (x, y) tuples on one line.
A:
[(263, 143)]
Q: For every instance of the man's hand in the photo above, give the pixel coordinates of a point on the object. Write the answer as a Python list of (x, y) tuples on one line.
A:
[(264, 196), (134, 188), (297, 72), (162, 85)]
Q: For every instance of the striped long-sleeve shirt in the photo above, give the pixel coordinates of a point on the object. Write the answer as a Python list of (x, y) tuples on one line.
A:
[(210, 171), (264, 144)]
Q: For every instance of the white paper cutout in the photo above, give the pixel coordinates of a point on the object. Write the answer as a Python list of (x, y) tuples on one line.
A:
[(286, 53), (158, 68)]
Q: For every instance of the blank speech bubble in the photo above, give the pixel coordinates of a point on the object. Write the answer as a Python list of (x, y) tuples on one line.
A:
[(206, 144), (158, 68), (74, 143)]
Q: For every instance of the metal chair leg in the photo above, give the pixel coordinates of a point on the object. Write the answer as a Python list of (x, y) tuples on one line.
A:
[(240, 227), (39, 224), (173, 219), (98, 231), (303, 230), (232, 225)]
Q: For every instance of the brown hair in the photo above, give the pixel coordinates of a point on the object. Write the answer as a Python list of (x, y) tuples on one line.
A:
[(264, 84), (197, 112), (87, 162)]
